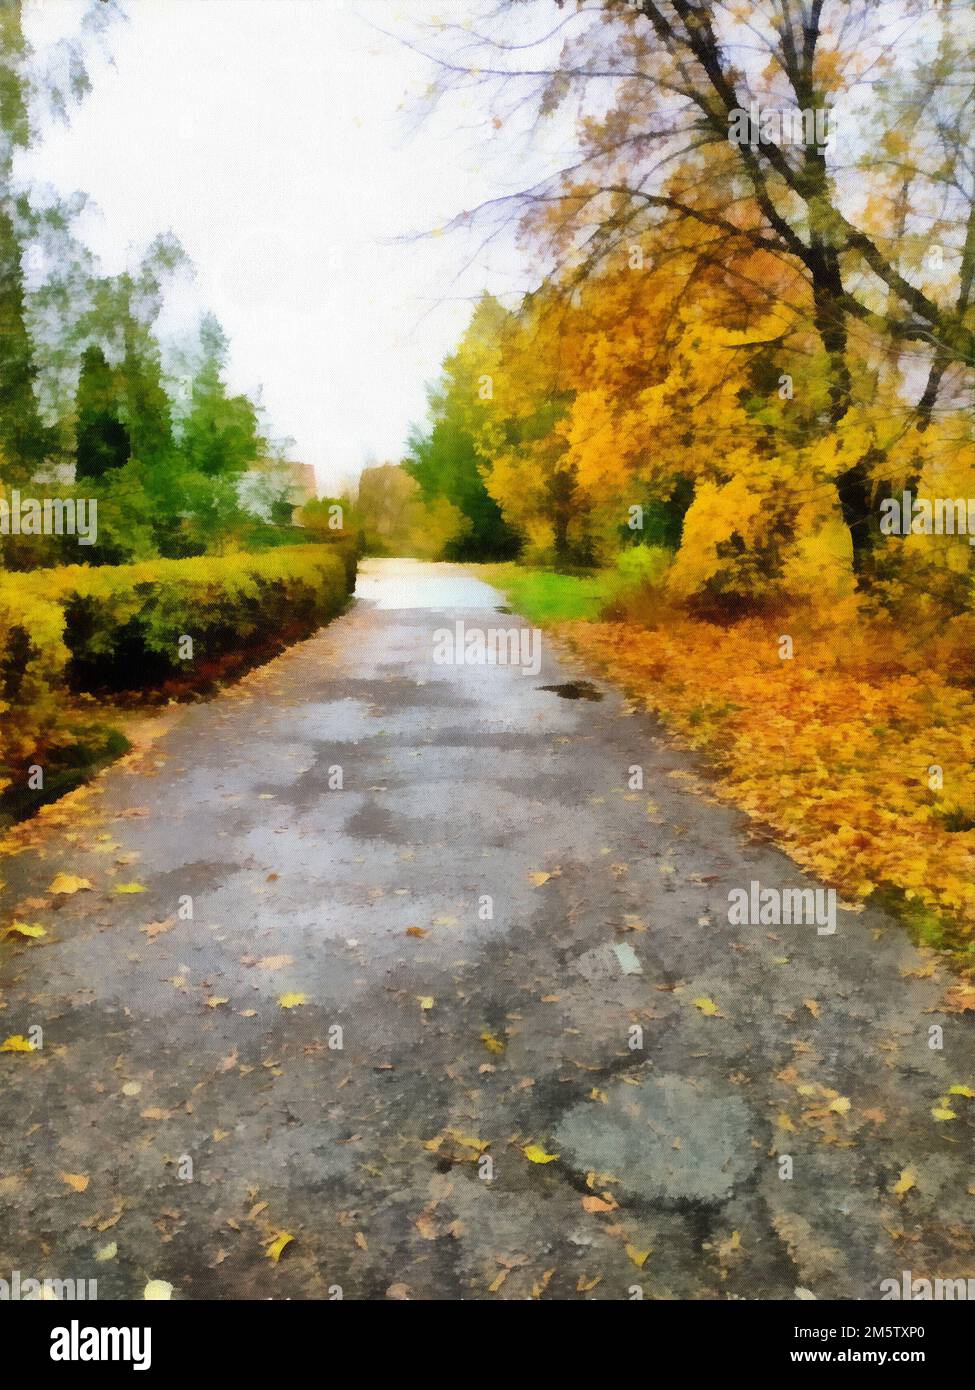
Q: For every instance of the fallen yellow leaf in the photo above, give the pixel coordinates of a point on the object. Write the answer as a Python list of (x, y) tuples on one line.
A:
[(16, 1043), (277, 1245), (292, 1001), (727, 1247), (707, 1007), (25, 929), (78, 1181), (68, 883), (158, 1291), (469, 1141), (535, 1154), (639, 1257), (904, 1183)]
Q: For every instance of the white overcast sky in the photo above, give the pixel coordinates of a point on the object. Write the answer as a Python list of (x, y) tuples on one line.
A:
[(278, 140)]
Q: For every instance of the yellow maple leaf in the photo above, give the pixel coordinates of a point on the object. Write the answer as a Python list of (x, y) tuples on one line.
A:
[(32, 929), (77, 1181), (904, 1183), (639, 1257), (707, 1007), (292, 1001), (469, 1141), (16, 1043), (68, 883), (129, 888), (535, 1154)]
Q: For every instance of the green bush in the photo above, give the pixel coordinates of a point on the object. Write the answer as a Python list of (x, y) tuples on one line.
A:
[(643, 566)]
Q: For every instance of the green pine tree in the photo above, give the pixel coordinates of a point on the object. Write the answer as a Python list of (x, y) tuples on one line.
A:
[(103, 442)]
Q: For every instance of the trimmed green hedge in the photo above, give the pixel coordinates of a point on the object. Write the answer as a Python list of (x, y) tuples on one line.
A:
[(117, 628)]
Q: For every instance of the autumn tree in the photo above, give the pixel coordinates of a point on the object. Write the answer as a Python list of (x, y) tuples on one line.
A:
[(444, 458), (658, 89), (518, 390), (397, 520)]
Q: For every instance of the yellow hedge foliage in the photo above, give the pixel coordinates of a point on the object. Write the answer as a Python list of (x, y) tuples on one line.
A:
[(76, 626)]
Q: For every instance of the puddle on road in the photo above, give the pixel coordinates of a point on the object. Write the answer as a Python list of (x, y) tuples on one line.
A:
[(574, 690)]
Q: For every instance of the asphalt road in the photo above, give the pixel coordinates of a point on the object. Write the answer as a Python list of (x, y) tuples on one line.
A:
[(496, 945)]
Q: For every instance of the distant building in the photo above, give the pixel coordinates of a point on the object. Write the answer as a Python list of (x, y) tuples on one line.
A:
[(305, 488)]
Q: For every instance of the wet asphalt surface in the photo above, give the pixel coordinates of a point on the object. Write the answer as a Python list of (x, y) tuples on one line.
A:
[(458, 1007)]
